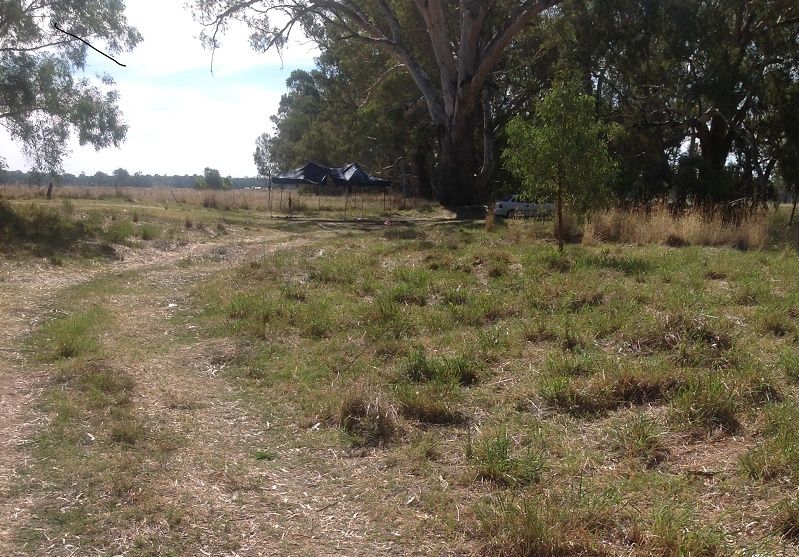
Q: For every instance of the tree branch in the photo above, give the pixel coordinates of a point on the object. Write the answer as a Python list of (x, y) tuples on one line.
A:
[(492, 52)]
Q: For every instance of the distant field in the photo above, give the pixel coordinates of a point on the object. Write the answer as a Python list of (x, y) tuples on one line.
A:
[(232, 384), (279, 203)]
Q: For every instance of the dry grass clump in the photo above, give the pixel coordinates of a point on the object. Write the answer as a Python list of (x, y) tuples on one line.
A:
[(777, 455), (707, 403), (618, 385), (497, 460), (690, 340), (545, 526), (368, 418), (788, 519), (640, 438), (430, 403), (660, 226)]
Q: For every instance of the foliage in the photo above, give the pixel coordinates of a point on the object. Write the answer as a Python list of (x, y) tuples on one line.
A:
[(43, 98), (263, 156), (212, 179), (448, 50), (563, 154)]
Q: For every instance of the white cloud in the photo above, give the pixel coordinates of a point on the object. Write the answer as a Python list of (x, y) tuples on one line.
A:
[(181, 117)]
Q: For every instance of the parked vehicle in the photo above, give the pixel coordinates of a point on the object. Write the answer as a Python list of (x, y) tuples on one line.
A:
[(512, 206)]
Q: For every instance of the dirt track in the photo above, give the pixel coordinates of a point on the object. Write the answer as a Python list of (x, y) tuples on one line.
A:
[(229, 503)]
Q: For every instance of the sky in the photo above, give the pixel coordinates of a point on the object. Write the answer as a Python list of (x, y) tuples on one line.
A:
[(182, 118)]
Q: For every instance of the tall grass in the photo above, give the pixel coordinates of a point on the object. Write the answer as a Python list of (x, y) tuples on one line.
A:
[(280, 202), (660, 226)]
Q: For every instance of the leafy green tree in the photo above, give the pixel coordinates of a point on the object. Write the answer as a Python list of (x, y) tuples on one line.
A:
[(263, 156), (563, 153), (200, 184), (449, 50), (43, 98), (212, 179), (100, 178), (121, 177), (686, 75)]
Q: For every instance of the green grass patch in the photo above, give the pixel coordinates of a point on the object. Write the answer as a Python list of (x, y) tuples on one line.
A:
[(73, 335)]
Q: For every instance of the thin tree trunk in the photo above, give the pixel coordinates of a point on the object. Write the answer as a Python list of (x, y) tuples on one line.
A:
[(560, 220), (795, 199)]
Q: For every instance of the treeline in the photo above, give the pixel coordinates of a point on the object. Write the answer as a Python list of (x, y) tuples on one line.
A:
[(120, 179), (706, 93)]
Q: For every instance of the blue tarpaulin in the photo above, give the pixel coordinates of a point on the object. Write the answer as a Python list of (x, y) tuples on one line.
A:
[(316, 174)]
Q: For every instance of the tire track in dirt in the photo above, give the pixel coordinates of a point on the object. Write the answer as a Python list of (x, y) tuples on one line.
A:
[(300, 504), (29, 290), (310, 501)]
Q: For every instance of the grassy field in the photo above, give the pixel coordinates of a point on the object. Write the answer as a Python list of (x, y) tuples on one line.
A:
[(280, 203), (417, 388)]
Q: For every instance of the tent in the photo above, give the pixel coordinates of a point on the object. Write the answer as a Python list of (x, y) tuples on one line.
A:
[(316, 174)]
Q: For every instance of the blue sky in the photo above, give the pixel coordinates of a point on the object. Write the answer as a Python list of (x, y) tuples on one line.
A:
[(181, 117)]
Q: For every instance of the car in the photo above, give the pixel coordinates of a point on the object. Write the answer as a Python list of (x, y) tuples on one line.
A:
[(512, 206)]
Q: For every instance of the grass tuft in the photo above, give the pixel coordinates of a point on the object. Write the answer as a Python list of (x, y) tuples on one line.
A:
[(432, 403), (707, 403), (458, 370), (495, 461), (368, 418), (640, 438)]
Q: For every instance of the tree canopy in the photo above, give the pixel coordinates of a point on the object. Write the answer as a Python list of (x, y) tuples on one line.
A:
[(697, 86), (450, 50), (44, 98)]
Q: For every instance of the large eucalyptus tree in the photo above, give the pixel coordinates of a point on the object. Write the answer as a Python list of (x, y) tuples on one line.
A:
[(43, 96), (449, 47)]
